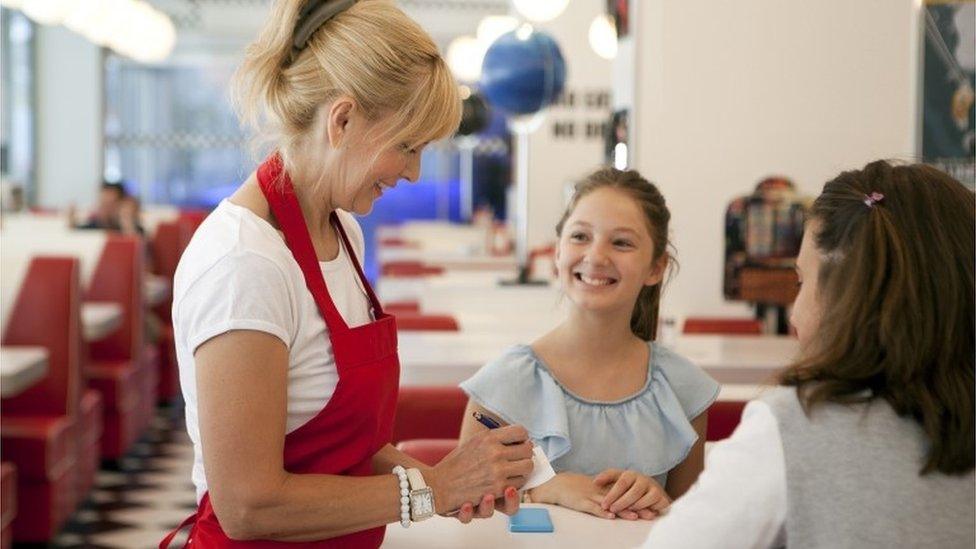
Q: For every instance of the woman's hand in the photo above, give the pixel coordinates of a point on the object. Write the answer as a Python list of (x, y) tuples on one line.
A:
[(509, 504), (631, 495), (480, 470), (574, 491)]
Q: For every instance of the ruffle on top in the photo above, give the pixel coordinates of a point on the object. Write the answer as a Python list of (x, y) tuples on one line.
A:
[(649, 431)]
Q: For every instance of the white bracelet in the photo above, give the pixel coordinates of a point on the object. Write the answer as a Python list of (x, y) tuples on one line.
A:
[(401, 473)]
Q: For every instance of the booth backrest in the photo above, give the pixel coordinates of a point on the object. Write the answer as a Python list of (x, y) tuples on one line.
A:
[(118, 279), (429, 412), (723, 326), (46, 313), (167, 245)]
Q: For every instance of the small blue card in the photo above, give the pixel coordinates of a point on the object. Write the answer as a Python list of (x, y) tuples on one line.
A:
[(530, 519)]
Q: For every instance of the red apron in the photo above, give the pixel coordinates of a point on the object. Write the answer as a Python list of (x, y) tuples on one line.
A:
[(358, 419)]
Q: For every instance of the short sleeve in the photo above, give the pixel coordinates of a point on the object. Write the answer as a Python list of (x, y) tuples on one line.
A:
[(695, 389), (241, 291), (520, 392)]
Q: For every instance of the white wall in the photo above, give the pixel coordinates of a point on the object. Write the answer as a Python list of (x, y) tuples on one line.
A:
[(729, 92), (69, 117), (556, 163)]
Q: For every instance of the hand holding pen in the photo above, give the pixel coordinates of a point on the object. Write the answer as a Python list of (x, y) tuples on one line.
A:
[(488, 468)]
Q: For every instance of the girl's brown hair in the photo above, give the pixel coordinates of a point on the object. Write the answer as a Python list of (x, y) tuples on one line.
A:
[(896, 291), (371, 52), (643, 321)]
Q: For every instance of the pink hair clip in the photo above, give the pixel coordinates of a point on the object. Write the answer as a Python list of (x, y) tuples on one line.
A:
[(871, 199)]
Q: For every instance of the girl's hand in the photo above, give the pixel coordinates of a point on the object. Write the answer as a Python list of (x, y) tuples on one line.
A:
[(481, 469), (574, 491), (632, 495)]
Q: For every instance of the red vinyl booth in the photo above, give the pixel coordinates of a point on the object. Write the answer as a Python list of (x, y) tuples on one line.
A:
[(8, 503), (397, 242), (723, 326), (429, 412), (167, 246), (425, 323), (43, 435), (121, 368), (723, 418), (428, 450), (397, 307), (409, 269), (192, 218)]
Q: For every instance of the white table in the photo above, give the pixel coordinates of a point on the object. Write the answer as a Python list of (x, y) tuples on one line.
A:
[(99, 319), (21, 367), (155, 289), (412, 288), (447, 358), (739, 359), (570, 529), (741, 393), (448, 260), (438, 235)]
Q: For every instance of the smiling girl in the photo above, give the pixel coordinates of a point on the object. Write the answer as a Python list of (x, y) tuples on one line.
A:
[(621, 418)]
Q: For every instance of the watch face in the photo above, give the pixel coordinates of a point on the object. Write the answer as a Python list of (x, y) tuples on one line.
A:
[(422, 503)]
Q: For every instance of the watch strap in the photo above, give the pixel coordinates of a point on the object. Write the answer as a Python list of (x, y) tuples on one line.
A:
[(416, 479)]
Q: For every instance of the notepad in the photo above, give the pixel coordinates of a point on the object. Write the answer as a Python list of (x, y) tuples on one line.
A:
[(542, 470)]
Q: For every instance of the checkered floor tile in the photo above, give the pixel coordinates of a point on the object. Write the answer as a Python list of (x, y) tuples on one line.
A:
[(135, 505)]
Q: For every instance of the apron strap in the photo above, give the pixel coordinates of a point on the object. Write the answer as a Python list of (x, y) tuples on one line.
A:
[(188, 521), (278, 190), (377, 308)]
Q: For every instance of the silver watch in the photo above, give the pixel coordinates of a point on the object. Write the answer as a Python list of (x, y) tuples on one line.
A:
[(421, 496)]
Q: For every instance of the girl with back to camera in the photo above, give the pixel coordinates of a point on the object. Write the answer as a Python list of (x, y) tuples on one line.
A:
[(869, 442), (621, 418), (288, 363)]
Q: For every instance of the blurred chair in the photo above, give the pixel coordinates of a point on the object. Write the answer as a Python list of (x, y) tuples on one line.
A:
[(397, 242), (428, 450), (41, 431), (723, 418), (192, 218), (122, 368), (722, 326), (425, 323), (167, 246), (409, 269), (397, 307), (429, 412), (8, 502), (91, 419)]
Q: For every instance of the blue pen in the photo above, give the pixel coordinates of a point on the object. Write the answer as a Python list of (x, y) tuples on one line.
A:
[(486, 421)]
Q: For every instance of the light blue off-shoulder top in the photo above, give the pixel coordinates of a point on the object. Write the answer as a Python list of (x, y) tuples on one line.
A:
[(649, 431)]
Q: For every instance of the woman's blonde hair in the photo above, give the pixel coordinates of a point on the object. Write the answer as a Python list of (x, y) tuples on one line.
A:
[(371, 52)]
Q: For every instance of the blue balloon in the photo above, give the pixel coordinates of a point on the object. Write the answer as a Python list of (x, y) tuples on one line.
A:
[(523, 75)]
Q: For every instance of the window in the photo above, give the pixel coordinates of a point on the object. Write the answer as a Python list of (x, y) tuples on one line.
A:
[(171, 133), (17, 91)]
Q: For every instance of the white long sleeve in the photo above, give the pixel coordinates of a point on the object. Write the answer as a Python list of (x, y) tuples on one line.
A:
[(739, 499)]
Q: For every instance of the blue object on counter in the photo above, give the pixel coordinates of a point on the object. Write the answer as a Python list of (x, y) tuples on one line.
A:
[(530, 519)]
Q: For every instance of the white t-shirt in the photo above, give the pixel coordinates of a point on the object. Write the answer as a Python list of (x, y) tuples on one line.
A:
[(238, 274), (739, 499)]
